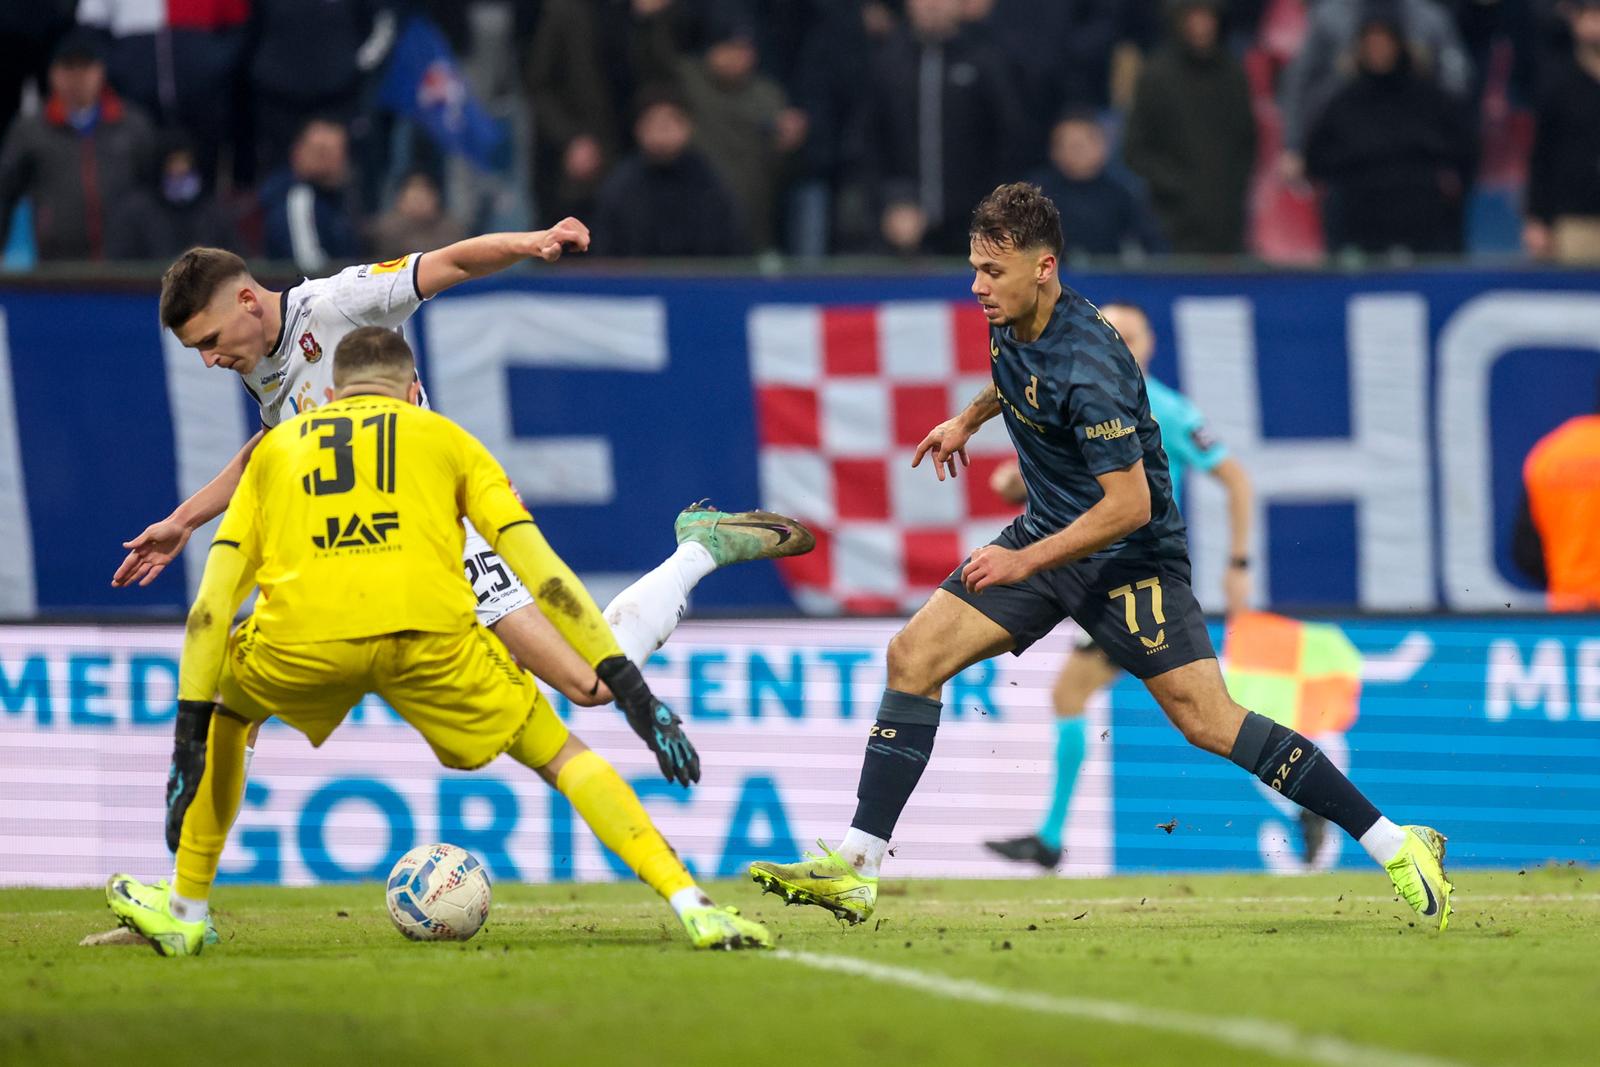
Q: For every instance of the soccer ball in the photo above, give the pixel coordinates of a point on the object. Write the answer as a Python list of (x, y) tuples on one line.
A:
[(438, 893)]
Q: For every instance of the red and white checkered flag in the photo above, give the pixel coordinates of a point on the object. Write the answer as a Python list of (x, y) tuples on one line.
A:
[(844, 394)]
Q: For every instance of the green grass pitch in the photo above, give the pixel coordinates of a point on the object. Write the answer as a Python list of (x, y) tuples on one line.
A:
[(1171, 969)]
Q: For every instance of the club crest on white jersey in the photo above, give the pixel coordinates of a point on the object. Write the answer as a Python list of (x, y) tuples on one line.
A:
[(297, 375)]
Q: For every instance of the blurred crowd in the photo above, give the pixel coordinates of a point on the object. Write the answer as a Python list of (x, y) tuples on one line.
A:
[(1289, 129)]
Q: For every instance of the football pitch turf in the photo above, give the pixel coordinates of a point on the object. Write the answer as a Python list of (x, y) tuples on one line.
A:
[(1145, 970)]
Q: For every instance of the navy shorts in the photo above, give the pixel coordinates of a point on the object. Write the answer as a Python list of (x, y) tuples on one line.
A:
[(1140, 612)]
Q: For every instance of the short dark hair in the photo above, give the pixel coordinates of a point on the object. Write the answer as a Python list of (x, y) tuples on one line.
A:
[(372, 348), (1017, 215), (190, 283)]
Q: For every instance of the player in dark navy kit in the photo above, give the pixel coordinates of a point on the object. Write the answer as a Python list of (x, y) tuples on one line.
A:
[(1101, 542)]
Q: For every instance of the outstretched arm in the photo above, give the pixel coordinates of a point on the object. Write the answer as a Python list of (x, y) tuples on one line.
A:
[(476, 257), (160, 543)]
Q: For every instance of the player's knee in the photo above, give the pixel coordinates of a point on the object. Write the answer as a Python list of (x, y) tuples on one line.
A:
[(911, 664)]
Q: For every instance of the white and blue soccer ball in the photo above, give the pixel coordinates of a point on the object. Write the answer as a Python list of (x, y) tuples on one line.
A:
[(438, 893)]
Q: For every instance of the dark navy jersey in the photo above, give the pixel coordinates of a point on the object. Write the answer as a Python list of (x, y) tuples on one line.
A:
[(1075, 403)]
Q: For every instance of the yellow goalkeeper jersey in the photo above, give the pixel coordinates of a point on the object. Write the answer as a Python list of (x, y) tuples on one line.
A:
[(350, 514)]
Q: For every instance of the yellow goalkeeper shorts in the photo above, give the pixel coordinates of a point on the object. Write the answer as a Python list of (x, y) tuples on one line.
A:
[(462, 691)]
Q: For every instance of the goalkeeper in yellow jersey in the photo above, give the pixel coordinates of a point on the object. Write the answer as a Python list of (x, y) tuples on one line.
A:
[(348, 518)]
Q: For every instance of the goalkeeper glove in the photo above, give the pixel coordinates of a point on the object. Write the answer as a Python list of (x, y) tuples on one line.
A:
[(188, 763), (652, 720)]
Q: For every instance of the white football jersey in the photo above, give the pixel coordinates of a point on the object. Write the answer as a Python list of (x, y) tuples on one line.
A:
[(297, 374)]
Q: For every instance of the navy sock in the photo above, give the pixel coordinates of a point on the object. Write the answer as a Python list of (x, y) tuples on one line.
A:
[(897, 751), (1295, 767)]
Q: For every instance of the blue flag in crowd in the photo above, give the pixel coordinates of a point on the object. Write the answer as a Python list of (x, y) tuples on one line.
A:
[(424, 84)]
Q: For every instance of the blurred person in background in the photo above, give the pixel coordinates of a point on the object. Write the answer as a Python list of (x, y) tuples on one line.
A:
[(417, 219), (1059, 55), (1101, 214), (1323, 63), (310, 57), (1394, 151), (832, 203), (1563, 198), (79, 160), (581, 74), (181, 66), (742, 119), (1192, 134), (28, 35), (1556, 540), (943, 128), (666, 199), (308, 205), (174, 212)]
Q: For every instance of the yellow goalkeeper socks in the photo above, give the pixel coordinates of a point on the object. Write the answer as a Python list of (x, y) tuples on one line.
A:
[(216, 803), (614, 813)]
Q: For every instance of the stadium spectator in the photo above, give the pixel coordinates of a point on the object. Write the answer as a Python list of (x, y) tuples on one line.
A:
[(743, 121), (416, 221), (1322, 65), (1563, 206), (310, 57), (183, 72), (79, 160), (28, 33), (1394, 151), (943, 127), (1556, 541), (666, 199), (1101, 215), (1059, 55), (309, 204), (174, 212), (831, 202), (1191, 134), (581, 75)]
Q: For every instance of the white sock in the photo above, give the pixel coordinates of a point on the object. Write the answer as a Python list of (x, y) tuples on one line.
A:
[(249, 754), (1383, 841), (864, 852), (644, 615), (186, 910), (692, 897)]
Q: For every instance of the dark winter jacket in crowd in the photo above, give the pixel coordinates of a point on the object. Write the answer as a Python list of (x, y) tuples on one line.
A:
[(675, 209), (312, 226), (1397, 156), (1101, 216), (78, 179), (152, 227), (948, 153), (1564, 171), (1191, 135)]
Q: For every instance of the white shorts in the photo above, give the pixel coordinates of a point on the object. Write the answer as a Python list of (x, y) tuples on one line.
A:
[(497, 588)]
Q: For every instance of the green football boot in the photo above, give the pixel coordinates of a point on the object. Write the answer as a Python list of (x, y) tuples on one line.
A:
[(714, 927), (143, 909), (828, 881), (734, 537), (1418, 873)]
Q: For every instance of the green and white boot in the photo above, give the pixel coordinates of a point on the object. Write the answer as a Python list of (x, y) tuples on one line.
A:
[(738, 536)]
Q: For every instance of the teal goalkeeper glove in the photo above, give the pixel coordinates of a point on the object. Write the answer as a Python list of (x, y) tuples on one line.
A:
[(188, 763), (652, 720)]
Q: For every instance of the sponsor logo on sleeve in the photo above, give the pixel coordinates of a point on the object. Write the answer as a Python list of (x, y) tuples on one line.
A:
[(388, 266), (1109, 430)]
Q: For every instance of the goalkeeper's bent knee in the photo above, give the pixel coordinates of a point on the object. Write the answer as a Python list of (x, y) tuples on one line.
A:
[(216, 803), (613, 812)]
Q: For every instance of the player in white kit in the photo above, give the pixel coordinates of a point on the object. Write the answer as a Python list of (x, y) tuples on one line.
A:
[(281, 345)]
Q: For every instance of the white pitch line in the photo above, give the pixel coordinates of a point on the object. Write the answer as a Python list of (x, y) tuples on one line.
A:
[(1256, 1035)]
